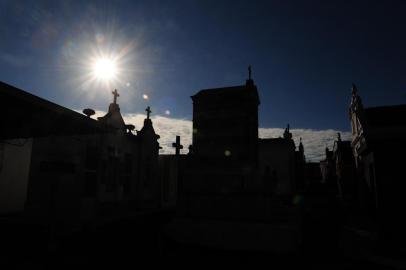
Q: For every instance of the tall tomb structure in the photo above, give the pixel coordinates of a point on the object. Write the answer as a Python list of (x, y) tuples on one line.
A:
[(225, 122)]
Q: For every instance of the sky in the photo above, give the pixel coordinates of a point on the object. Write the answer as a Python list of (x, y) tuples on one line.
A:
[(304, 54)]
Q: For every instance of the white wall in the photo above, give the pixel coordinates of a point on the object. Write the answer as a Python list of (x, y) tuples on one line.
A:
[(14, 174)]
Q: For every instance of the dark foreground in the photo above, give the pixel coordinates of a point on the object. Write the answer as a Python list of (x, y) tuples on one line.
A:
[(134, 242)]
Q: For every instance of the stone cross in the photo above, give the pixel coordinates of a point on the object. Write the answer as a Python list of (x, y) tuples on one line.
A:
[(148, 110), (115, 94), (177, 145)]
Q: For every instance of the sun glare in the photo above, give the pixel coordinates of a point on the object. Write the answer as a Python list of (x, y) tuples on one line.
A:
[(103, 64), (105, 69)]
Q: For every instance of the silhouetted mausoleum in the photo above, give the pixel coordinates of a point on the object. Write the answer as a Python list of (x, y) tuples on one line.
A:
[(225, 122), (379, 147), (64, 168), (230, 172)]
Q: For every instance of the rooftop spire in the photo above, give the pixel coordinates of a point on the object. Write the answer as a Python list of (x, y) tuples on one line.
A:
[(301, 150), (249, 82), (354, 89), (249, 72), (287, 134), (356, 103)]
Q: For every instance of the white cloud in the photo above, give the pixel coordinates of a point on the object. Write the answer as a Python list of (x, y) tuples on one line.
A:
[(314, 141)]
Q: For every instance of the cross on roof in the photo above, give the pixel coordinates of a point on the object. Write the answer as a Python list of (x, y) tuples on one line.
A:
[(115, 94), (177, 145), (148, 110)]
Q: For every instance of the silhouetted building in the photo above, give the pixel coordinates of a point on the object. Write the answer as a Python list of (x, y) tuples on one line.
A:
[(67, 167), (229, 172), (225, 122), (379, 147), (345, 172), (277, 163), (300, 168), (338, 171)]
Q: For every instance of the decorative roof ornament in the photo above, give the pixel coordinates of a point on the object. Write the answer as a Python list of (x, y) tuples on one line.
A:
[(177, 145), (356, 103), (115, 94), (250, 81), (249, 72), (287, 134), (88, 112), (354, 89), (130, 127), (148, 110)]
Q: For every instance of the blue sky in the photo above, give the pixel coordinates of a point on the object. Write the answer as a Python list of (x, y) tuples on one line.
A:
[(304, 54)]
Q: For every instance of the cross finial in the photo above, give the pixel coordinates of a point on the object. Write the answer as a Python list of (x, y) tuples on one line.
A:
[(148, 110), (115, 94), (249, 72), (177, 145)]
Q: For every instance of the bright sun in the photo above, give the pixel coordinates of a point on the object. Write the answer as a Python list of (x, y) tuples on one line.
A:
[(105, 69)]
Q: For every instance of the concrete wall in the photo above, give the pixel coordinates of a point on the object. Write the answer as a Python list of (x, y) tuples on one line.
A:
[(15, 159)]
